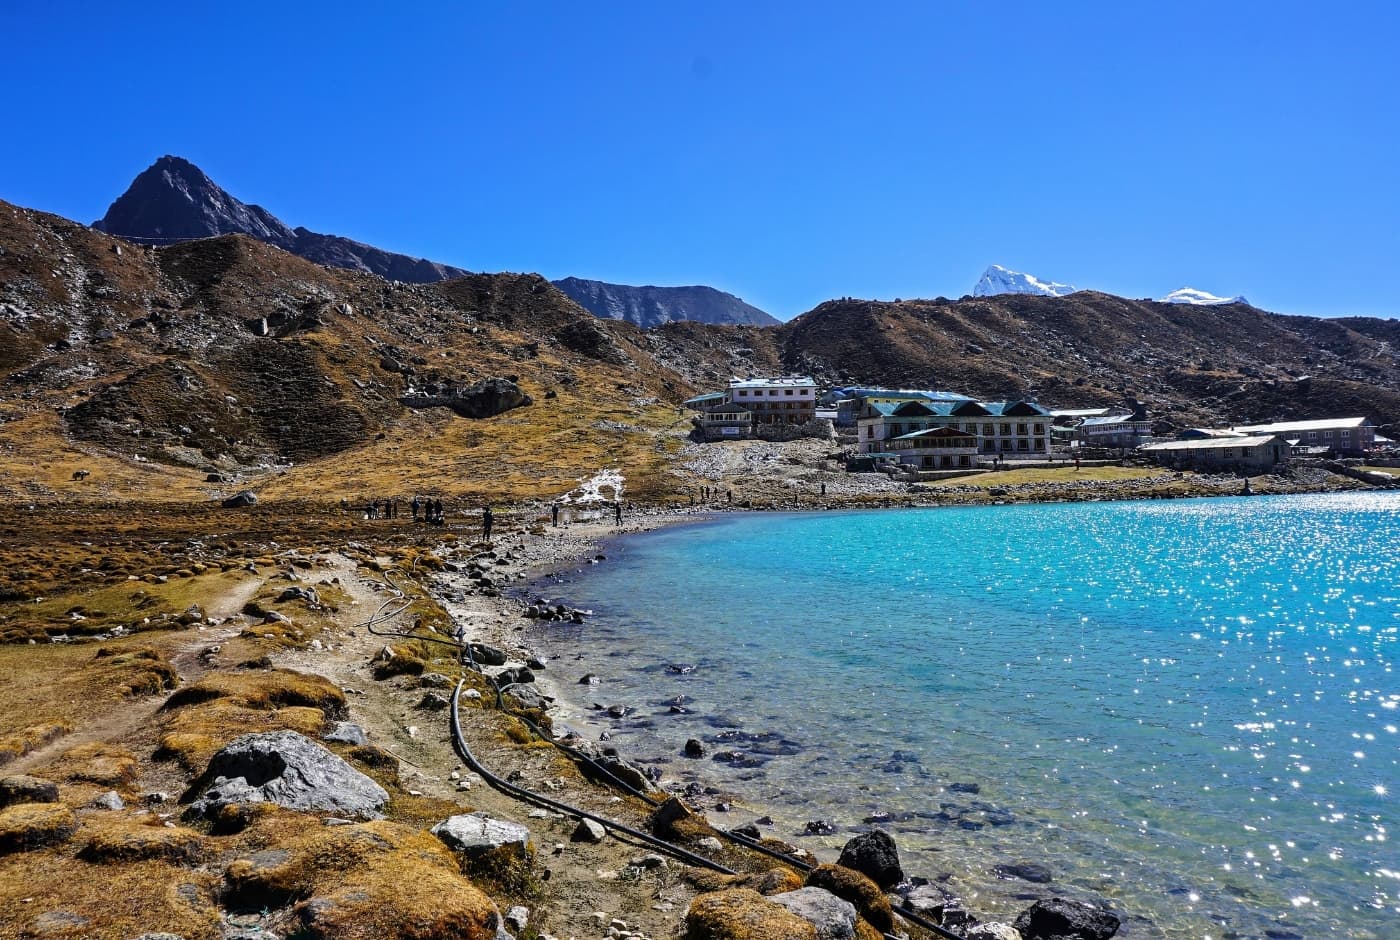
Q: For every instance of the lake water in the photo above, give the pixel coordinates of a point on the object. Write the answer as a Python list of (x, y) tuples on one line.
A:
[(1187, 707)]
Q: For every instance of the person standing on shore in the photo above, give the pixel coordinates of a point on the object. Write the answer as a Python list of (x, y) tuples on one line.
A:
[(554, 514), (487, 520), (617, 513)]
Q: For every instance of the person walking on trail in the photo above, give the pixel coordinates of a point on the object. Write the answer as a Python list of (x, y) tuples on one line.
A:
[(487, 519), (554, 514), (617, 513), (414, 507), (439, 514)]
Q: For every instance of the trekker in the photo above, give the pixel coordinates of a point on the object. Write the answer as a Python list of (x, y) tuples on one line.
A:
[(554, 514), (617, 513), (487, 519), (414, 507)]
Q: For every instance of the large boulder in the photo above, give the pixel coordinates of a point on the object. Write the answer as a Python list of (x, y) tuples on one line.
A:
[(833, 918), (849, 885), (874, 855), (288, 769), (28, 826), (743, 914), (483, 400), (475, 836), (241, 500), (1063, 919)]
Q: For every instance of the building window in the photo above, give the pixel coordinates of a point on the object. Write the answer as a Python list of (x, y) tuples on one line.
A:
[(787, 391), (1006, 429), (1021, 429)]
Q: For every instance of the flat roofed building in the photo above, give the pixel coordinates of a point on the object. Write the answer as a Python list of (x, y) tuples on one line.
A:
[(782, 400), (1259, 453), (1352, 436), (1113, 431)]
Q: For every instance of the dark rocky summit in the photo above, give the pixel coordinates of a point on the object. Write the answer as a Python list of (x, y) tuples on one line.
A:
[(173, 200)]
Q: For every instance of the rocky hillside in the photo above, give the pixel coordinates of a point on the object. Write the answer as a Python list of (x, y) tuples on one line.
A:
[(653, 306), (232, 356)]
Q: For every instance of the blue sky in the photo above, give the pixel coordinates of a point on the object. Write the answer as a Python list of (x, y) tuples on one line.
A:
[(786, 152)]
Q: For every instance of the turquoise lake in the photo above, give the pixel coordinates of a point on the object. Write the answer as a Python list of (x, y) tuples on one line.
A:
[(1186, 707)]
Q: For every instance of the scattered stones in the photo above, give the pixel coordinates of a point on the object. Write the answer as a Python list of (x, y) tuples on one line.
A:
[(1063, 919), (300, 594), (25, 789), (818, 827), (288, 769), (875, 855)]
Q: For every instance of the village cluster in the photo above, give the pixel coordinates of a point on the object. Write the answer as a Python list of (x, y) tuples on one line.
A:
[(933, 434)]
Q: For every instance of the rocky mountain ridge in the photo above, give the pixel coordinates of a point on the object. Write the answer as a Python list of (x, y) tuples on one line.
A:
[(173, 200), (653, 306)]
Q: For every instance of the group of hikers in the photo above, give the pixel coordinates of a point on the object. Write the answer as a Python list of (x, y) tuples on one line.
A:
[(430, 510)]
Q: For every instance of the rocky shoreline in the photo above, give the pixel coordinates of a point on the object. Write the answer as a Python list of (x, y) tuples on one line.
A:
[(497, 612)]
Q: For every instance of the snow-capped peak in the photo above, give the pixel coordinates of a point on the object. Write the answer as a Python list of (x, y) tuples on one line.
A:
[(998, 280), (1200, 298)]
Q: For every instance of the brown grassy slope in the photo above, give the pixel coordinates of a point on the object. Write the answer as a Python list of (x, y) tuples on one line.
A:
[(182, 374)]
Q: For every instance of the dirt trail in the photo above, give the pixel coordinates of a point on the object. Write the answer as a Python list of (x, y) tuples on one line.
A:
[(120, 724)]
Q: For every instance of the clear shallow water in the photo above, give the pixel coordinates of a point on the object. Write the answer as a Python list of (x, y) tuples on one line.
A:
[(1189, 707)]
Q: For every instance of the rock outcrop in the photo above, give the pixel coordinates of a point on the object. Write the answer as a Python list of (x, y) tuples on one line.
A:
[(285, 768)]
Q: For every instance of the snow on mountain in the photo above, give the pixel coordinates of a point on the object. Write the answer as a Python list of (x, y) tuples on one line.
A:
[(998, 280), (1200, 298)]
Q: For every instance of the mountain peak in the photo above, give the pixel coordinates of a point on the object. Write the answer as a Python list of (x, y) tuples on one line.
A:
[(651, 306), (998, 280), (174, 200), (1199, 298)]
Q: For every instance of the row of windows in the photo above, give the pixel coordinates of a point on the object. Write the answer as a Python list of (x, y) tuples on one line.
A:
[(988, 430), (758, 392)]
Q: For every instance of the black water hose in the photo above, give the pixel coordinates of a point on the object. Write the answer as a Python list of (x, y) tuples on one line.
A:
[(459, 743)]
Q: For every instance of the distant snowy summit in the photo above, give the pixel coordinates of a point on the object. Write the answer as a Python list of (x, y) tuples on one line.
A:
[(1199, 298), (998, 280)]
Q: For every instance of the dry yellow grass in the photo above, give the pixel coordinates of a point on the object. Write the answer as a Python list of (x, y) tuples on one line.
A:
[(1065, 474)]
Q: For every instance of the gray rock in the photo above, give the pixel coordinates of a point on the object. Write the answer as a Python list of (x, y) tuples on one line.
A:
[(58, 922), (874, 855), (513, 675), (299, 594), (22, 788), (1033, 872), (109, 800), (992, 931), (928, 900), (589, 831), (346, 732), (476, 835), (487, 655), (834, 918), (526, 696), (433, 701), (241, 500), (1063, 919), (285, 768), (518, 918), (434, 680), (693, 748)]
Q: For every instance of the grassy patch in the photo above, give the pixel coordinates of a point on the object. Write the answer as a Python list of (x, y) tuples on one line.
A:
[(1056, 475)]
